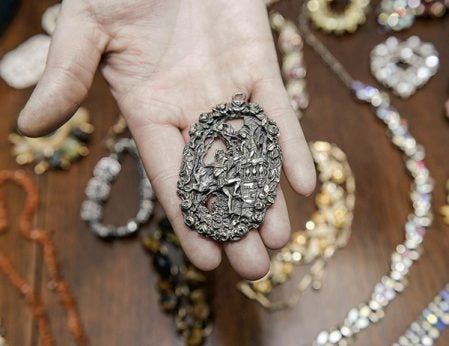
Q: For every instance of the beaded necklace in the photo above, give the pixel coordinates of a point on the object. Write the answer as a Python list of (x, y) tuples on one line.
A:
[(325, 233), (43, 239), (434, 319), (183, 289), (406, 253)]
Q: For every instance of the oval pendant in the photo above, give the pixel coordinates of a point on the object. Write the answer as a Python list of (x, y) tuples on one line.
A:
[(228, 197)]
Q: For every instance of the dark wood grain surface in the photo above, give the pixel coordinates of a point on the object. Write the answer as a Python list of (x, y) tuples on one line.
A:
[(114, 282)]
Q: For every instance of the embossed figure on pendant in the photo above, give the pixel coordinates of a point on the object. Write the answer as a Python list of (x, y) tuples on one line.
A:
[(227, 197)]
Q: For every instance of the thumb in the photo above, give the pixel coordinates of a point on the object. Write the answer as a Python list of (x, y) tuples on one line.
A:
[(75, 52)]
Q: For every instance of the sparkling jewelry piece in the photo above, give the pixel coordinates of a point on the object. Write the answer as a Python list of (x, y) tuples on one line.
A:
[(444, 210), (408, 252), (293, 68), (99, 187), (57, 150), (404, 66), (338, 22), (328, 230), (434, 319), (228, 197), (183, 289), (397, 15), (23, 66), (49, 18)]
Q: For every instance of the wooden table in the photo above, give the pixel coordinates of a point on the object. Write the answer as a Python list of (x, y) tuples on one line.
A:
[(114, 282)]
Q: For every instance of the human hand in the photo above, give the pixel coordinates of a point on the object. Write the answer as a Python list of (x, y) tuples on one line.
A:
[(166, 62)]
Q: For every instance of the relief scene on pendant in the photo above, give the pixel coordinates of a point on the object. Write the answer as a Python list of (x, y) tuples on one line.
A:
[(231, 193)]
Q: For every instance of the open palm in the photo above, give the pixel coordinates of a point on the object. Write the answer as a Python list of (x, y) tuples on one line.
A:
[(166, 62)]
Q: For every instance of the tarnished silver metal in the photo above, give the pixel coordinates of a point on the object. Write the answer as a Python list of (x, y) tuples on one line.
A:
[(228, 197)]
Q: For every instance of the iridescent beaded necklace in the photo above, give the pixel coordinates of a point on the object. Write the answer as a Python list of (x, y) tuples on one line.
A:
[(434, 319), (406, 253)]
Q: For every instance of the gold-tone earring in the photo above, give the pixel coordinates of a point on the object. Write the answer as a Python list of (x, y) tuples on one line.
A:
[(329, 20), (57, 150), (327, 231)]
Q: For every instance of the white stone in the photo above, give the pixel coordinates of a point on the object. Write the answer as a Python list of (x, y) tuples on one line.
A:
[(23, 66)]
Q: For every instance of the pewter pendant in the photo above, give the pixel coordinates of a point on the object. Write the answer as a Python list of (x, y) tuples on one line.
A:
[(228, 197)]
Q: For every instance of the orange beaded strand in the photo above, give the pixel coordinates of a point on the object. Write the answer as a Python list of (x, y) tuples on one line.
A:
[(31, 298), (42, 238)]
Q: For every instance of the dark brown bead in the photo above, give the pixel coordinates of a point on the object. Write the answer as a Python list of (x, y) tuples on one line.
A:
[(162, 264), (165, 225)]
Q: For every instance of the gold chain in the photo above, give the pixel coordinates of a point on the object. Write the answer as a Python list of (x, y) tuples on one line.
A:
[(327, 231)]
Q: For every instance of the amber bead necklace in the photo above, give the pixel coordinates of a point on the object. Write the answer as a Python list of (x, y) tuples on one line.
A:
[(43, 239)]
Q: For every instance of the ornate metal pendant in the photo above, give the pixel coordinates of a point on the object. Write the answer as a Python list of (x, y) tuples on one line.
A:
[(228, 197)]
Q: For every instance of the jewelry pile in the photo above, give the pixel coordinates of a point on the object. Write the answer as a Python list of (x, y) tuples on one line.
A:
[(226, 198)]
